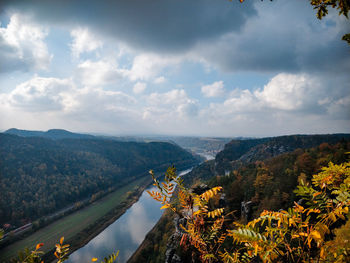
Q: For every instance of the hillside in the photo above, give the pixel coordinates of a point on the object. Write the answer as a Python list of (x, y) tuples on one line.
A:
[(39, 175), (238, 152), (268, 183), (54, 134)]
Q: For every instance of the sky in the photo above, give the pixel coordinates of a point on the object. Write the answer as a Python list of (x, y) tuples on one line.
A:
[(173, 67)]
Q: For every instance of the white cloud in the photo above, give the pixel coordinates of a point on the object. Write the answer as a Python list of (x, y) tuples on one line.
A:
[(94, 73), (139, 87), (22, 45), (215, 89), (290, 92), (288, 103), (284, 92), (173, 97), (102, 103), (160, 80), (52, 94), (172, 106), (83, 41), (147, 66), (41, 94)]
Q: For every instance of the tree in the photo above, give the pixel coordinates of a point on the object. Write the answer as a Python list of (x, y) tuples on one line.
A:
[(307, 232)]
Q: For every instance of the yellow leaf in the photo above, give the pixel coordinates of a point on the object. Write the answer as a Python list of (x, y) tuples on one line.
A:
[(197, 212), (165, 206), (316, 234), (94, 259), (322, 253), (332, 216)]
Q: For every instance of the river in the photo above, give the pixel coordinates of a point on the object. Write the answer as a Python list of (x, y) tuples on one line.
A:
[(125, 234)]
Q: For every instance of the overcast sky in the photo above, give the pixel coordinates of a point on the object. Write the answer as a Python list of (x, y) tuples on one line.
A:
[(175, 67)]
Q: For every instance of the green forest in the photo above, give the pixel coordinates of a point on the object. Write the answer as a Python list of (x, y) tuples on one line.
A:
[(40, 176)]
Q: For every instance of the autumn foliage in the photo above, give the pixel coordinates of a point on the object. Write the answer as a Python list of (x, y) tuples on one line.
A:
[(307, 232)]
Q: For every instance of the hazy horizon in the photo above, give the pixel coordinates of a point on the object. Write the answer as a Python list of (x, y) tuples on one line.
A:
[(171, 135)]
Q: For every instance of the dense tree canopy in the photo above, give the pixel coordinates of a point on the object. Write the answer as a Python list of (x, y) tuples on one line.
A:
[(39, 176)]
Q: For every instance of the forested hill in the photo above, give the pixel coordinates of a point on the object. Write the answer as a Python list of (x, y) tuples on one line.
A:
[(39, 175), (238, 152), (265, 183), (54, 134)]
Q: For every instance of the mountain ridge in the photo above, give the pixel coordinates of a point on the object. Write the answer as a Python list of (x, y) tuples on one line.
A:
[(54, 134)]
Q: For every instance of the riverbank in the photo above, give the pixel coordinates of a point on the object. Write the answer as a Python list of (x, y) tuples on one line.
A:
[(153, 247), (80, 227)]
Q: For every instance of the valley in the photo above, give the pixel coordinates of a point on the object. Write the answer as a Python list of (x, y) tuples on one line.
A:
[(239, 165)]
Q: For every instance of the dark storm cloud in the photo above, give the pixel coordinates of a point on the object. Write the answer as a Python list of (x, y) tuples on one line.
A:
[(157, 25), (277, 36), (284, 36)]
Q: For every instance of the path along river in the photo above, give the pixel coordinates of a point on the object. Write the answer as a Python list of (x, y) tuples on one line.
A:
[(125, 234)]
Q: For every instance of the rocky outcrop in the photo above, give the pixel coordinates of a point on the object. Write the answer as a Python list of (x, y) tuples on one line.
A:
[(174, 241)]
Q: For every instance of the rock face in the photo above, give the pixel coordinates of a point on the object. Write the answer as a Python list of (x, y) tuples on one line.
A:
[(174, 241), (246, 210)]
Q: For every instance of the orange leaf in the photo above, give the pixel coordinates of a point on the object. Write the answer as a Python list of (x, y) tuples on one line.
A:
[(94, 259), (316, 194), (39, 246), (61, 240)]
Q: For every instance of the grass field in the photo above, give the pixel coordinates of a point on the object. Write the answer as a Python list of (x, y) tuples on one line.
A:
[(72, 224)]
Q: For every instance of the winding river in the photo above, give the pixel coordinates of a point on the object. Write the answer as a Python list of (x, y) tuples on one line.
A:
[(125, 234)]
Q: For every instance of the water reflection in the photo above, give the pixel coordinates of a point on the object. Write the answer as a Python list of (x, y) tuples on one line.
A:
[(125, 234)]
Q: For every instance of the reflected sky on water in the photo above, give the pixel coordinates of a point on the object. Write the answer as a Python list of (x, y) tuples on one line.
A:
[(125, 234)]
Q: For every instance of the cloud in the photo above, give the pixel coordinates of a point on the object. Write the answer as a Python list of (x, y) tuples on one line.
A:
[(288, 103), (83, 41), (284, 36), (41, 94), (139, 87), (290, 92), (213, 90), (146, 24), (97, 73), (160, 80), (261, 36), (172, 106), (22, 45), (63, 95), (298, 93), (173, 97), (146, 66)]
